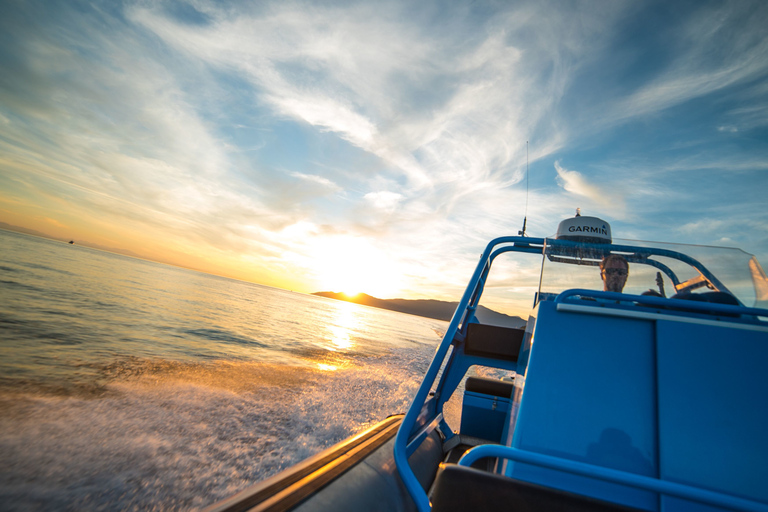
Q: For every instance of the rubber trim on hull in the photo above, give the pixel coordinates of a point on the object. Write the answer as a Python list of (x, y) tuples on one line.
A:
[(292, 486)]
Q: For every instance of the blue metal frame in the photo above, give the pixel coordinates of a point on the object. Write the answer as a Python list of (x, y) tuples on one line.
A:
[(670, 306), (614, 476), (425, 414), (404, 434)]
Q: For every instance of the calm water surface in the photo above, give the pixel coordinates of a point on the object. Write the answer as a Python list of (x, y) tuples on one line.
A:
[(132, 385)]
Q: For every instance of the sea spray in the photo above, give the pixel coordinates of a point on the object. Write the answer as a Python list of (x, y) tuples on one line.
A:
[(131, 385)]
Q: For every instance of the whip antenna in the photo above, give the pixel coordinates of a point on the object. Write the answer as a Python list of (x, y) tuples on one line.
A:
[(525, 216)]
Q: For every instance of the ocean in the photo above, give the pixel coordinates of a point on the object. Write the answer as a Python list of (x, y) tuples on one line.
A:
[(127, 384)]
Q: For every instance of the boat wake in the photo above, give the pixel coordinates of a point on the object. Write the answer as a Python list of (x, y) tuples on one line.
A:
[(158, 434)]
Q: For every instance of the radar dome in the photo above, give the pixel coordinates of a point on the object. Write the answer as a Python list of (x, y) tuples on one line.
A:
[(584, 229)]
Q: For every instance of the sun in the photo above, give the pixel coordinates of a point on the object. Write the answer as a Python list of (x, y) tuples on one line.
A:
[(352, 265)]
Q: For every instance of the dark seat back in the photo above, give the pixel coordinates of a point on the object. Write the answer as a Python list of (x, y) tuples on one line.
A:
[(493, 341), (463, 489)]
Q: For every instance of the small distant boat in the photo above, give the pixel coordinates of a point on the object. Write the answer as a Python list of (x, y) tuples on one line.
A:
[(72, 242), (618, 401)]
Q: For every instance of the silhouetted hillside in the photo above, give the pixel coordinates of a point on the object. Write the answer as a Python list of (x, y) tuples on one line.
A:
[(437, 309), (27, 231)]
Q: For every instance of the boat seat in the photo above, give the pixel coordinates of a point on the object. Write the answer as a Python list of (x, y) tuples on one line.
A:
[(494, 342), (464, 489), (492, 387)]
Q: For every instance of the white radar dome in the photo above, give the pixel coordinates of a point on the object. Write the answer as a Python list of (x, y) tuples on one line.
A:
[(585, 229)]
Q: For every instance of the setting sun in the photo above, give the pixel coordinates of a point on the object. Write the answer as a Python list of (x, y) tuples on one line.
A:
[(352, 266)]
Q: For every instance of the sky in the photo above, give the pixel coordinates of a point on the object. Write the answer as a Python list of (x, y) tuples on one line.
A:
[(377, 146)]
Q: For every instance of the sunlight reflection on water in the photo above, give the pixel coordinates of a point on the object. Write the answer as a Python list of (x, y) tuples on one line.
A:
[(345, 321), (131, 384)]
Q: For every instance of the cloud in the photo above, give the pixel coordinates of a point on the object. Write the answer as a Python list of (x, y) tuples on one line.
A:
[(384, 200), (748, 117), (319, 180), (575, 183), (300, 63), (53, 222), (401, 122), (434, 101), (714, 49), (331, 115)]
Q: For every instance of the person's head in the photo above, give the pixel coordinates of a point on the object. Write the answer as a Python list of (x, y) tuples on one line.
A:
[(614, 270)]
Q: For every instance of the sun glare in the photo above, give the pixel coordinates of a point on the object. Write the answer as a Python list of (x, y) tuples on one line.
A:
[(352, 266)]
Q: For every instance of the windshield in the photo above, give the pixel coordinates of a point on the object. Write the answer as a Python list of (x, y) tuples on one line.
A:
[(528, 269), (663, 268)]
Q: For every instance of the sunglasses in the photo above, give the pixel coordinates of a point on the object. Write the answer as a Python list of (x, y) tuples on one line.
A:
[(615, 271)]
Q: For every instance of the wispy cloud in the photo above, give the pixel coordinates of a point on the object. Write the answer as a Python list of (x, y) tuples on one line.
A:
[(245, 127), (716, 48), (575, 183), (478, 96), (384, 200)]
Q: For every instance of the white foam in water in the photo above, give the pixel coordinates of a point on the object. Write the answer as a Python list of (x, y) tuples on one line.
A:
[(163, 441), (131, 385)]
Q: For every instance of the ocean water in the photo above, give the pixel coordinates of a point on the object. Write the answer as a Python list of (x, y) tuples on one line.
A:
[(131, 385)]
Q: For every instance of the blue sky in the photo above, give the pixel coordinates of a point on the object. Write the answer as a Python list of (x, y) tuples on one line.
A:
[(379, 145)]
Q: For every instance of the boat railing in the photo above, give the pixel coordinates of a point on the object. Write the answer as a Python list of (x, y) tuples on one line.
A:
[(407, 440), (672, 306), (665, 487)]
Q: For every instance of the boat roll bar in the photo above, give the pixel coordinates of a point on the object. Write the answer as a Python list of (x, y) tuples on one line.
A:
[(403, 445)]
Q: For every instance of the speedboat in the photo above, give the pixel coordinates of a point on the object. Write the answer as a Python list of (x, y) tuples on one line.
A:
[(649, 398)]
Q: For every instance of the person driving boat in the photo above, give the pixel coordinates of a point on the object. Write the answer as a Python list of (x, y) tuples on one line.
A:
[(614, 271)]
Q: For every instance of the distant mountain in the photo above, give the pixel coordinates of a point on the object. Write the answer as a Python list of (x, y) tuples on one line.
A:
[(437, 309), (27, 231)]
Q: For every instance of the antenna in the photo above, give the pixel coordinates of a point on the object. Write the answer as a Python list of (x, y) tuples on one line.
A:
[(660, 284), (525, 217)]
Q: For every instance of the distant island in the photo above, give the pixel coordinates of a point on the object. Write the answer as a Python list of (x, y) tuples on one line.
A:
[(437, 309)]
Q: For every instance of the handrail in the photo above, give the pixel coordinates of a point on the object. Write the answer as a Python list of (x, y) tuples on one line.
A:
[(670, 303), (412, 415), (615, 476)]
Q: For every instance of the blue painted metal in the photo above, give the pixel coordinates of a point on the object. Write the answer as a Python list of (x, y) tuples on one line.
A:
[(483, 416), (404, 434), (459, 318), (712, 415), (671, 306), (592, 400), (621, 402), (614, 476), (460, 363), (422, 434)]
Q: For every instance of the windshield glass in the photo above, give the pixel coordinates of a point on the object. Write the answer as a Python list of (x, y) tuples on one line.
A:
[(661, 267)]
